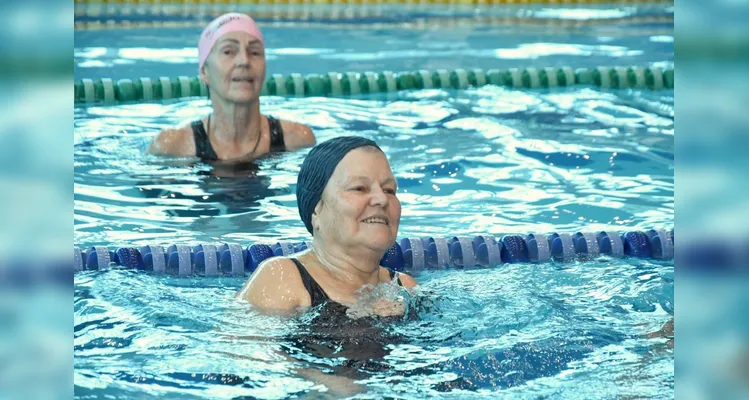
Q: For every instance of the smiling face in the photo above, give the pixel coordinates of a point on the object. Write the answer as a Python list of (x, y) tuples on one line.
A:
[(359, 206), (235, 68)]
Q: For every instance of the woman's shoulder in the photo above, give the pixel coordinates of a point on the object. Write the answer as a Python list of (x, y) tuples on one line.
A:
[(282, 269), (275, 285), (174, 141), (297, 135), (276, 265), (406, 280)]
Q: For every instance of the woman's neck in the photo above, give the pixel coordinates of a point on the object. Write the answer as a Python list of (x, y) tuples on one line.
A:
[(356, 271), (235, 127)]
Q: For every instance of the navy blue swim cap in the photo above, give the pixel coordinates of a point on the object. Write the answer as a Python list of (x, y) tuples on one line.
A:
[(317, 169)]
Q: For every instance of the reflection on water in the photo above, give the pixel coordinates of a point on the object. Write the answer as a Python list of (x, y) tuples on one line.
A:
[(490, 160), (535, 329)]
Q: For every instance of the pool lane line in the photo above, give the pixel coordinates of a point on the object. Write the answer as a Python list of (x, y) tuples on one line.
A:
[(362, 22), (108, 91), (366, 2)]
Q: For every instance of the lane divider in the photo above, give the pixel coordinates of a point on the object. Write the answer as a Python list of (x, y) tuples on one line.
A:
[(408, 254), (358, 2), (106, 91), (351, 22)]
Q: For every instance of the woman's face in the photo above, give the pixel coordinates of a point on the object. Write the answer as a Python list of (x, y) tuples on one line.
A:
[(359, 206), (235, 68)]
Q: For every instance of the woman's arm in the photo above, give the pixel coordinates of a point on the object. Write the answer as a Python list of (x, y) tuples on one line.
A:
[(337, 386), (297, 136), (177, 142), (275, 287), (407, 280)]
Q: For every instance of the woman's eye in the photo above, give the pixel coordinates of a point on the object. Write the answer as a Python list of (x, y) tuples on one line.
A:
[(390, 191), (359, 188)]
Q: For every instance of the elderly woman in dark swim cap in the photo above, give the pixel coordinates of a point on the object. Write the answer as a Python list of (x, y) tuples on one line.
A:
[(231, 54), (346, 194)]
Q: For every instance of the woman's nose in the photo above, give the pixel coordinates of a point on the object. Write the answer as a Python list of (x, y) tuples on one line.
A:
[(243, 58), (379, 197)]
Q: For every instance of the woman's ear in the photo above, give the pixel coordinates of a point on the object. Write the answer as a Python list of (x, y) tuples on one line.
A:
[(315, 225), (315, 220), (203, 76)]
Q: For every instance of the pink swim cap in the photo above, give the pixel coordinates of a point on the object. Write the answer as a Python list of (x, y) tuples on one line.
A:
[(231, 22)]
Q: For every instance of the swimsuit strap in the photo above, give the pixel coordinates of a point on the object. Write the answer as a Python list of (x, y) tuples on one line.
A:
[(277, 143), (393, 274), (203, 148), (316, 293)]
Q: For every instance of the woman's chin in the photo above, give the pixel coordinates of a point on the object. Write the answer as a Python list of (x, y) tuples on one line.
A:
[(381, 242), (240, 97)]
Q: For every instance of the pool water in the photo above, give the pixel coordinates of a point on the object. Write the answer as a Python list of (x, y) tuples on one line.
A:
[(486, 160), (503, 37), (490, 160), (527, 330)]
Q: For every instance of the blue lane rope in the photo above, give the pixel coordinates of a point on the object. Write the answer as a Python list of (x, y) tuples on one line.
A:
[(408, 254)]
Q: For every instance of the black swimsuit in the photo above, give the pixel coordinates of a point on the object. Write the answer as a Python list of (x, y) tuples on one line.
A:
[(205, 152), (331, 333), (316, 293)]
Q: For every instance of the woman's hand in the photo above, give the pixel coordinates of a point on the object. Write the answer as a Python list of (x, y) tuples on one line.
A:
[(377, 304), (387, 308)]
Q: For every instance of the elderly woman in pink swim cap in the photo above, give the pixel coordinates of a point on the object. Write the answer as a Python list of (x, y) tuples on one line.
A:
[(231, 55)]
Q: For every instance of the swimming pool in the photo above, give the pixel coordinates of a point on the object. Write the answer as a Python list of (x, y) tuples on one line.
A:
[(489, 160)]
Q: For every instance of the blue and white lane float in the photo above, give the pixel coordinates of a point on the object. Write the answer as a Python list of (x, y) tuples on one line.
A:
[(408, 254)]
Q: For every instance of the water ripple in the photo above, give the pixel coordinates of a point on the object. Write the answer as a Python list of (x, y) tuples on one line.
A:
[(539, 327), (462, 167)]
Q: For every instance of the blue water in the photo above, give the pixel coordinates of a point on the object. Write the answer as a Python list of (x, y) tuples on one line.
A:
[(521, 329), (359, 46), (488, 160)]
